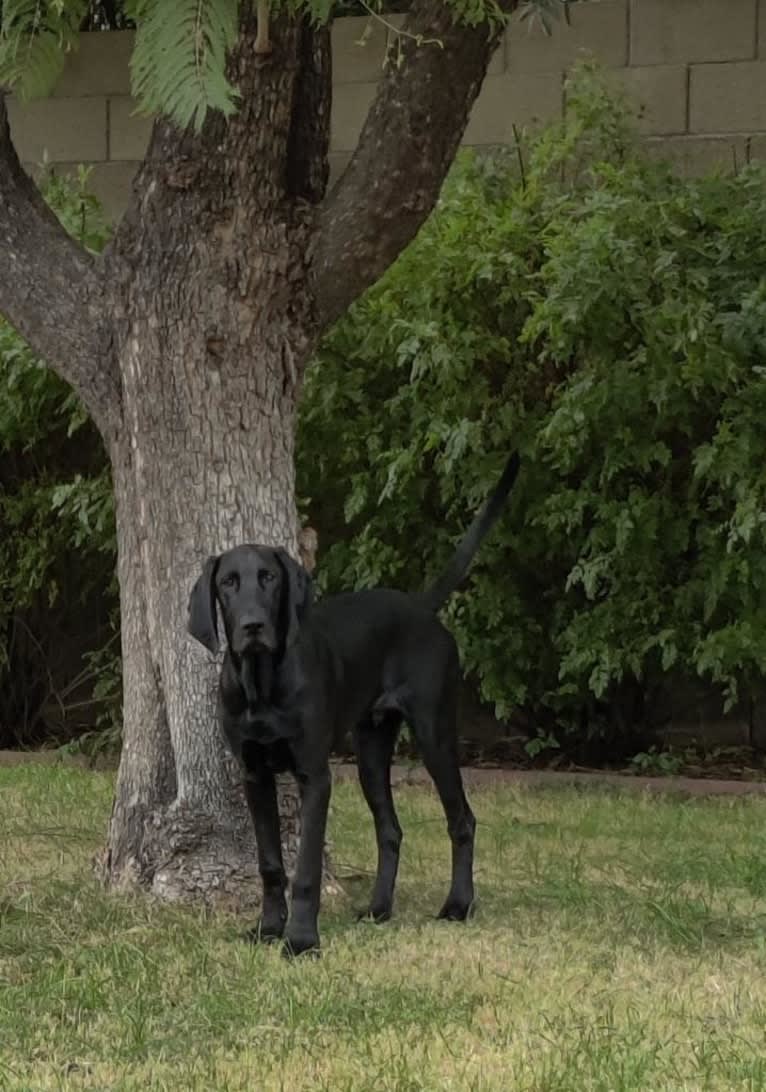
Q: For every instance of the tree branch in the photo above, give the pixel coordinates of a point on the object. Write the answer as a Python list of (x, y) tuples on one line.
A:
[(50, 290), (407, 145), (307, 167)]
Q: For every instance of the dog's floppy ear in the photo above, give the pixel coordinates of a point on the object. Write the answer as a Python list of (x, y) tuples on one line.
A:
[(296, 596), (202, 623)]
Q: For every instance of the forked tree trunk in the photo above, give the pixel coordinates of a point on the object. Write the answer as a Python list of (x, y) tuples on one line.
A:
[(187, 342), (213, 328)]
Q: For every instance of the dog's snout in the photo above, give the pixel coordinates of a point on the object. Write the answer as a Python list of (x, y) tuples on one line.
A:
[(252, 627)]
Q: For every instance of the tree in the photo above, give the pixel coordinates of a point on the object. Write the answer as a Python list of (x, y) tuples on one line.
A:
[(188, 337)]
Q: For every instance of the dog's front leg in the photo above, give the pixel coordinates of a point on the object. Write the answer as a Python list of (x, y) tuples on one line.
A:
[(261, 793), (302, 933)]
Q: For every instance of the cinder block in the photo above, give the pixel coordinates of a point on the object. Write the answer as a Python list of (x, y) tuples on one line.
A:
[(756, 149), (350, 106), (508, 100), (99, 66), (679, 31), (659, 94), (61, 130), (727, 97), (598, 28), (694, 156), (358, 50), (128, 132), (112, 184), (496, 65)]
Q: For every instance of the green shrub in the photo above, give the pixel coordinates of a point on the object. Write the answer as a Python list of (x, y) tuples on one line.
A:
[(574, 299), (56, 511), (570, 298)]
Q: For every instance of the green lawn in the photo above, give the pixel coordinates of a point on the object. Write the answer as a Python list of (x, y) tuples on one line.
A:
[(619, 943)]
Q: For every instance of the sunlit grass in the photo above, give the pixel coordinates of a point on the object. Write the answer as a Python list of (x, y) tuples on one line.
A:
[(619, 943)]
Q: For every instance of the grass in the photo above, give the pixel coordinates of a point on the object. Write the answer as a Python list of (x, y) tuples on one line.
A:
[(619, 943)]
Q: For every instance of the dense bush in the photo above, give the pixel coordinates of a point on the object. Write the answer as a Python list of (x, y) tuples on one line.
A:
[(576, 300), (569, 297), (56, 523)]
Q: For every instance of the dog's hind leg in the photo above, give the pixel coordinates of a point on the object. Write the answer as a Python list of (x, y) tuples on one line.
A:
[(375, 743), (439, 750)]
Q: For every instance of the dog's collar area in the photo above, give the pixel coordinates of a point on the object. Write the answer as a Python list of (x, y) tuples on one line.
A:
[(256, 677), (267, 727)]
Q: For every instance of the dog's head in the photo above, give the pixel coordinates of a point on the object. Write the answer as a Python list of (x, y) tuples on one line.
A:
[(263, 595)]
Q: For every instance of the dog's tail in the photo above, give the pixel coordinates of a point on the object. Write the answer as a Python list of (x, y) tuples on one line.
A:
[(439, 592)]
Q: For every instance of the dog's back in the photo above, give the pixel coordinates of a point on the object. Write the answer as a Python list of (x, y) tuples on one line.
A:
[(389, 651), (385, 644)]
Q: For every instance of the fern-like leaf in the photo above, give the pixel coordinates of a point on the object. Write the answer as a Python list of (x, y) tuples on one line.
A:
[(178, 65), (545, 12), (35, 36), (135, 10)]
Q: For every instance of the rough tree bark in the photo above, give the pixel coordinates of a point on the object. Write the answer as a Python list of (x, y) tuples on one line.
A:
[(187, 341), (210, 339)]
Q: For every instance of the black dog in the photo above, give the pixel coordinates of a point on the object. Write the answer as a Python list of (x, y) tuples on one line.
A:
[(296, 679)]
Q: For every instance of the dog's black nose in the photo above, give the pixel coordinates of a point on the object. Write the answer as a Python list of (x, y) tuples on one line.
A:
[(252, 629)]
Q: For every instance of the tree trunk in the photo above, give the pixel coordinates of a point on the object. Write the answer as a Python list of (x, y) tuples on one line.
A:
[(187, 342), (179, 824), (213, 326)]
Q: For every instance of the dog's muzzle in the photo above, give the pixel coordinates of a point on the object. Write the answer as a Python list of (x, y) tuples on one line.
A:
[(255, 634)]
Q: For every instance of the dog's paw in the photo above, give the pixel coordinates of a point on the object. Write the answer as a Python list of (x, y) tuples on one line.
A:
[(456, 910), (378, 915), (300, 943)]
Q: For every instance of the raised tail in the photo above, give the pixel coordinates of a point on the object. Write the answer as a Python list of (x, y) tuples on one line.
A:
[(440, 591)]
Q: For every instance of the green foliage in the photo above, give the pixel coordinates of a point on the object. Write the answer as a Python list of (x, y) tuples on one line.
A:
[(56, 506), (568, 298), (181, 49), (104, 668), (574, 300), (543, 741), (179, 59), (659, 763), (35, 36), (545, 12)]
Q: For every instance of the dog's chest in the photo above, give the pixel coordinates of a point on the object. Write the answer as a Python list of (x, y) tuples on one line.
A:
[(261, 737), (253, 757), (277, 757)]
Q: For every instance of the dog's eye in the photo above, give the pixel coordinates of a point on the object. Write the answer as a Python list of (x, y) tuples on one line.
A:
[(265, 576), (229, 581)]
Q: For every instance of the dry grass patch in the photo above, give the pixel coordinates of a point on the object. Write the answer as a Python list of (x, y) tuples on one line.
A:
[(618, 944)]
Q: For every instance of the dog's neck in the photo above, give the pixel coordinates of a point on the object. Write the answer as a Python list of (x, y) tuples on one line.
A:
[(253, 693), (256, 671)]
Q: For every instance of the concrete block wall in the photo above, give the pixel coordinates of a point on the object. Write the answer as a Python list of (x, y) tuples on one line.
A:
[(695, 68)]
